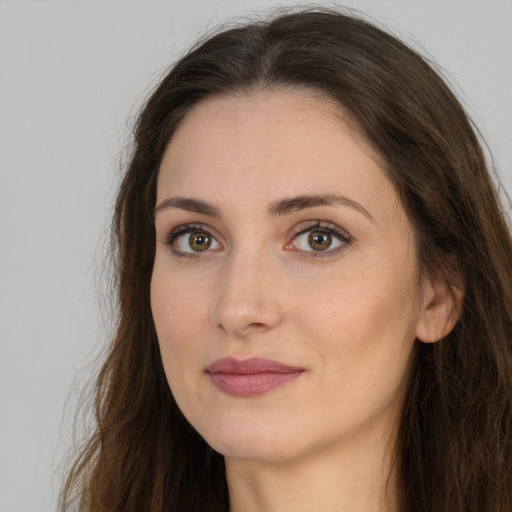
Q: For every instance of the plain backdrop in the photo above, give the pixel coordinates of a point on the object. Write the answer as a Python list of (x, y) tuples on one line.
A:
[(72, 75)]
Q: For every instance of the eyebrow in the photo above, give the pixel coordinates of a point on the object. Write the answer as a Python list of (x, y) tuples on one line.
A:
[(292, 204), (190, 205), (276, 209)]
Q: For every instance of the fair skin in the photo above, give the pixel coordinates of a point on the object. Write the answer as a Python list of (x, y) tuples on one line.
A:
[(327, 287)]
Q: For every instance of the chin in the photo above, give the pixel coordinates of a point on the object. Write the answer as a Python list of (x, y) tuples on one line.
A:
[(256, 451), (263, 443)]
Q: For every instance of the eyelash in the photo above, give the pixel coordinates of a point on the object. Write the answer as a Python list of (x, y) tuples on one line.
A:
[(183, 230), (321, 226)]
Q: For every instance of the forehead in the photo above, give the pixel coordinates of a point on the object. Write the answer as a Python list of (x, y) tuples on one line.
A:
[(271, 144)]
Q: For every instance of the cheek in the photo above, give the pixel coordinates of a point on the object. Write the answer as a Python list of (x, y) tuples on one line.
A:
[(363, 320), (178, 312), (176, 303), (365, 334)]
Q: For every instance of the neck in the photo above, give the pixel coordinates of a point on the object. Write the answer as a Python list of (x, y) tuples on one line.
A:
[(355, 476)]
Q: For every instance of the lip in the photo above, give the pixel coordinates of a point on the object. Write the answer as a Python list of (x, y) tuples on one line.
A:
[(251, 377)]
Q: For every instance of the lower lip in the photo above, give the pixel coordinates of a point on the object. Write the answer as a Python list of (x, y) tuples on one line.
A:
[(252, 385)]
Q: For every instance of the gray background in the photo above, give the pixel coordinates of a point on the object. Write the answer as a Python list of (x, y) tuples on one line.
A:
[(72, 73)]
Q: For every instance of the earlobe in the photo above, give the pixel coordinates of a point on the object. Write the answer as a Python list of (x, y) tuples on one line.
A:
[(441, 310)]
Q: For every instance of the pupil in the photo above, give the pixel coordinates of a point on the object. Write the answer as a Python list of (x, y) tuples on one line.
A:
[(199, 241), (320, 241)]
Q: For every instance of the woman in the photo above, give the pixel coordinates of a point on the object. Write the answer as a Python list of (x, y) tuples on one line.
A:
[(314, 282)]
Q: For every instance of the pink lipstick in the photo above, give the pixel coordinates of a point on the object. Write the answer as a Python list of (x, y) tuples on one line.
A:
[(251, 377)]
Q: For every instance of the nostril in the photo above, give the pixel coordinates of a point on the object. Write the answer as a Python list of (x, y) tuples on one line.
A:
[(240, 310), (256, 325), (250, 326)]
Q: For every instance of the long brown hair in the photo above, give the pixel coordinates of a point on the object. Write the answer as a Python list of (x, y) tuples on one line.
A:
[(454, 449)]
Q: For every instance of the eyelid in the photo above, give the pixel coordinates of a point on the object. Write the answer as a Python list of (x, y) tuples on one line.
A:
[(304, 227), (189, 228), (340, 234)]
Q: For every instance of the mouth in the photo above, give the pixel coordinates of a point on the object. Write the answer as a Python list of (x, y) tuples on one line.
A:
[(251, 377)]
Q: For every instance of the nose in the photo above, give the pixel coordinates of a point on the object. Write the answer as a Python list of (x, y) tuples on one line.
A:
[(248, 296)]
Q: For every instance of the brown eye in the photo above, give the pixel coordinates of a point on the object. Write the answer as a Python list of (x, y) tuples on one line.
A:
[(319, 240), (199, 241), (189, 240)]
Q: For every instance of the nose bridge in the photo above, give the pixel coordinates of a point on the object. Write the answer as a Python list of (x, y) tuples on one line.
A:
[(247, 298)]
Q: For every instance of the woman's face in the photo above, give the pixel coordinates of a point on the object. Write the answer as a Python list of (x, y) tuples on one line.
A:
[(284, 289)]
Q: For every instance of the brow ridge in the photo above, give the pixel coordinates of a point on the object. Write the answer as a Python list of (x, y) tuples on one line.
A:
[(190, 204), (276, 209), (288, 205)]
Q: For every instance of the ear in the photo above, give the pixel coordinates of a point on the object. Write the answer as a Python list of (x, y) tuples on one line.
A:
[(442, 303)]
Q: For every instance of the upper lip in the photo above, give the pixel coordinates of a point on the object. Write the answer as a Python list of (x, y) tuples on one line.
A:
[(250, 366)]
